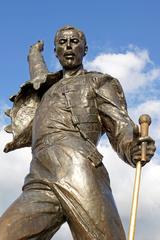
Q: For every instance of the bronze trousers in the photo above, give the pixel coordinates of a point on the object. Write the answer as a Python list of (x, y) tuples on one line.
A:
[(37, 215), (80, 195)]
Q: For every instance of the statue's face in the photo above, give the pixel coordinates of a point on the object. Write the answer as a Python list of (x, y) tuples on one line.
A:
[(70, 48)]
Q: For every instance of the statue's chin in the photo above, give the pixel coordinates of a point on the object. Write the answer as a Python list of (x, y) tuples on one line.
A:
[(71, 66)]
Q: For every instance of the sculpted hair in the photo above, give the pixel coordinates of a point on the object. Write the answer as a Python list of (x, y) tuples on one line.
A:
[(68, 27)]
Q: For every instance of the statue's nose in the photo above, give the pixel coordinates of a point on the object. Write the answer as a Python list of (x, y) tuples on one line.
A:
[(69, 46)]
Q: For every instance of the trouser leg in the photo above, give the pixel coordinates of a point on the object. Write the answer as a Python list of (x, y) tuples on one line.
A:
[(36, 215), (108, 228), (89, 205)]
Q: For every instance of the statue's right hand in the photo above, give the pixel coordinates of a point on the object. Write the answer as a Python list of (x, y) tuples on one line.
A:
[(39, 45)]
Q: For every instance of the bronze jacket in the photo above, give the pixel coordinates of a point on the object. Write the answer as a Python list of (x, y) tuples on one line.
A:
[(99, 107)]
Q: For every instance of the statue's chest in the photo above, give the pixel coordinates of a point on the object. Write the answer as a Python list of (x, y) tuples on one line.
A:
[(76, 92)]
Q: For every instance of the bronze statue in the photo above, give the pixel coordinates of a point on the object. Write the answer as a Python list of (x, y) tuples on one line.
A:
[(62, 116)]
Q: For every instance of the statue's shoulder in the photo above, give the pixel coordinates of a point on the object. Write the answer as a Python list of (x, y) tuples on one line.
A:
[(109, 88), (99, 79), (25, 104), (94, 74)]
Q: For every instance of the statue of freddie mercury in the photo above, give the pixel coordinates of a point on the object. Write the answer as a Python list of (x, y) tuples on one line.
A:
[(62, 116)]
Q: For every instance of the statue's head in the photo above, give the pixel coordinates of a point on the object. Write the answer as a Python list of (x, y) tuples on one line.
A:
[(70, 47)]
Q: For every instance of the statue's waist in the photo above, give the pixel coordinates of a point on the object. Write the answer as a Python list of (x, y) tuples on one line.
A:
[(68, 144), (84, 131)]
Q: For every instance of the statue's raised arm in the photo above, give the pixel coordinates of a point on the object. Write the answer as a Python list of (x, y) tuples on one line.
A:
[(26, 101)]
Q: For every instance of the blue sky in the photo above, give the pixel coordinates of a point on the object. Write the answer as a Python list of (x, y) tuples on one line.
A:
[(124, 40), (109, 25)]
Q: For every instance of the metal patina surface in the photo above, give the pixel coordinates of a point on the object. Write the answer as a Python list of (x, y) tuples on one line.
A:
[(62, 116)]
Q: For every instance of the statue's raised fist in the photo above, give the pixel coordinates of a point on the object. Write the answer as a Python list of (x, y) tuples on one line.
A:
[(39, 45)]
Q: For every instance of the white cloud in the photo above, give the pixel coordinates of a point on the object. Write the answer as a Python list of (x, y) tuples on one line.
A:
[(151, 107), (133, 68), (14, 167)]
